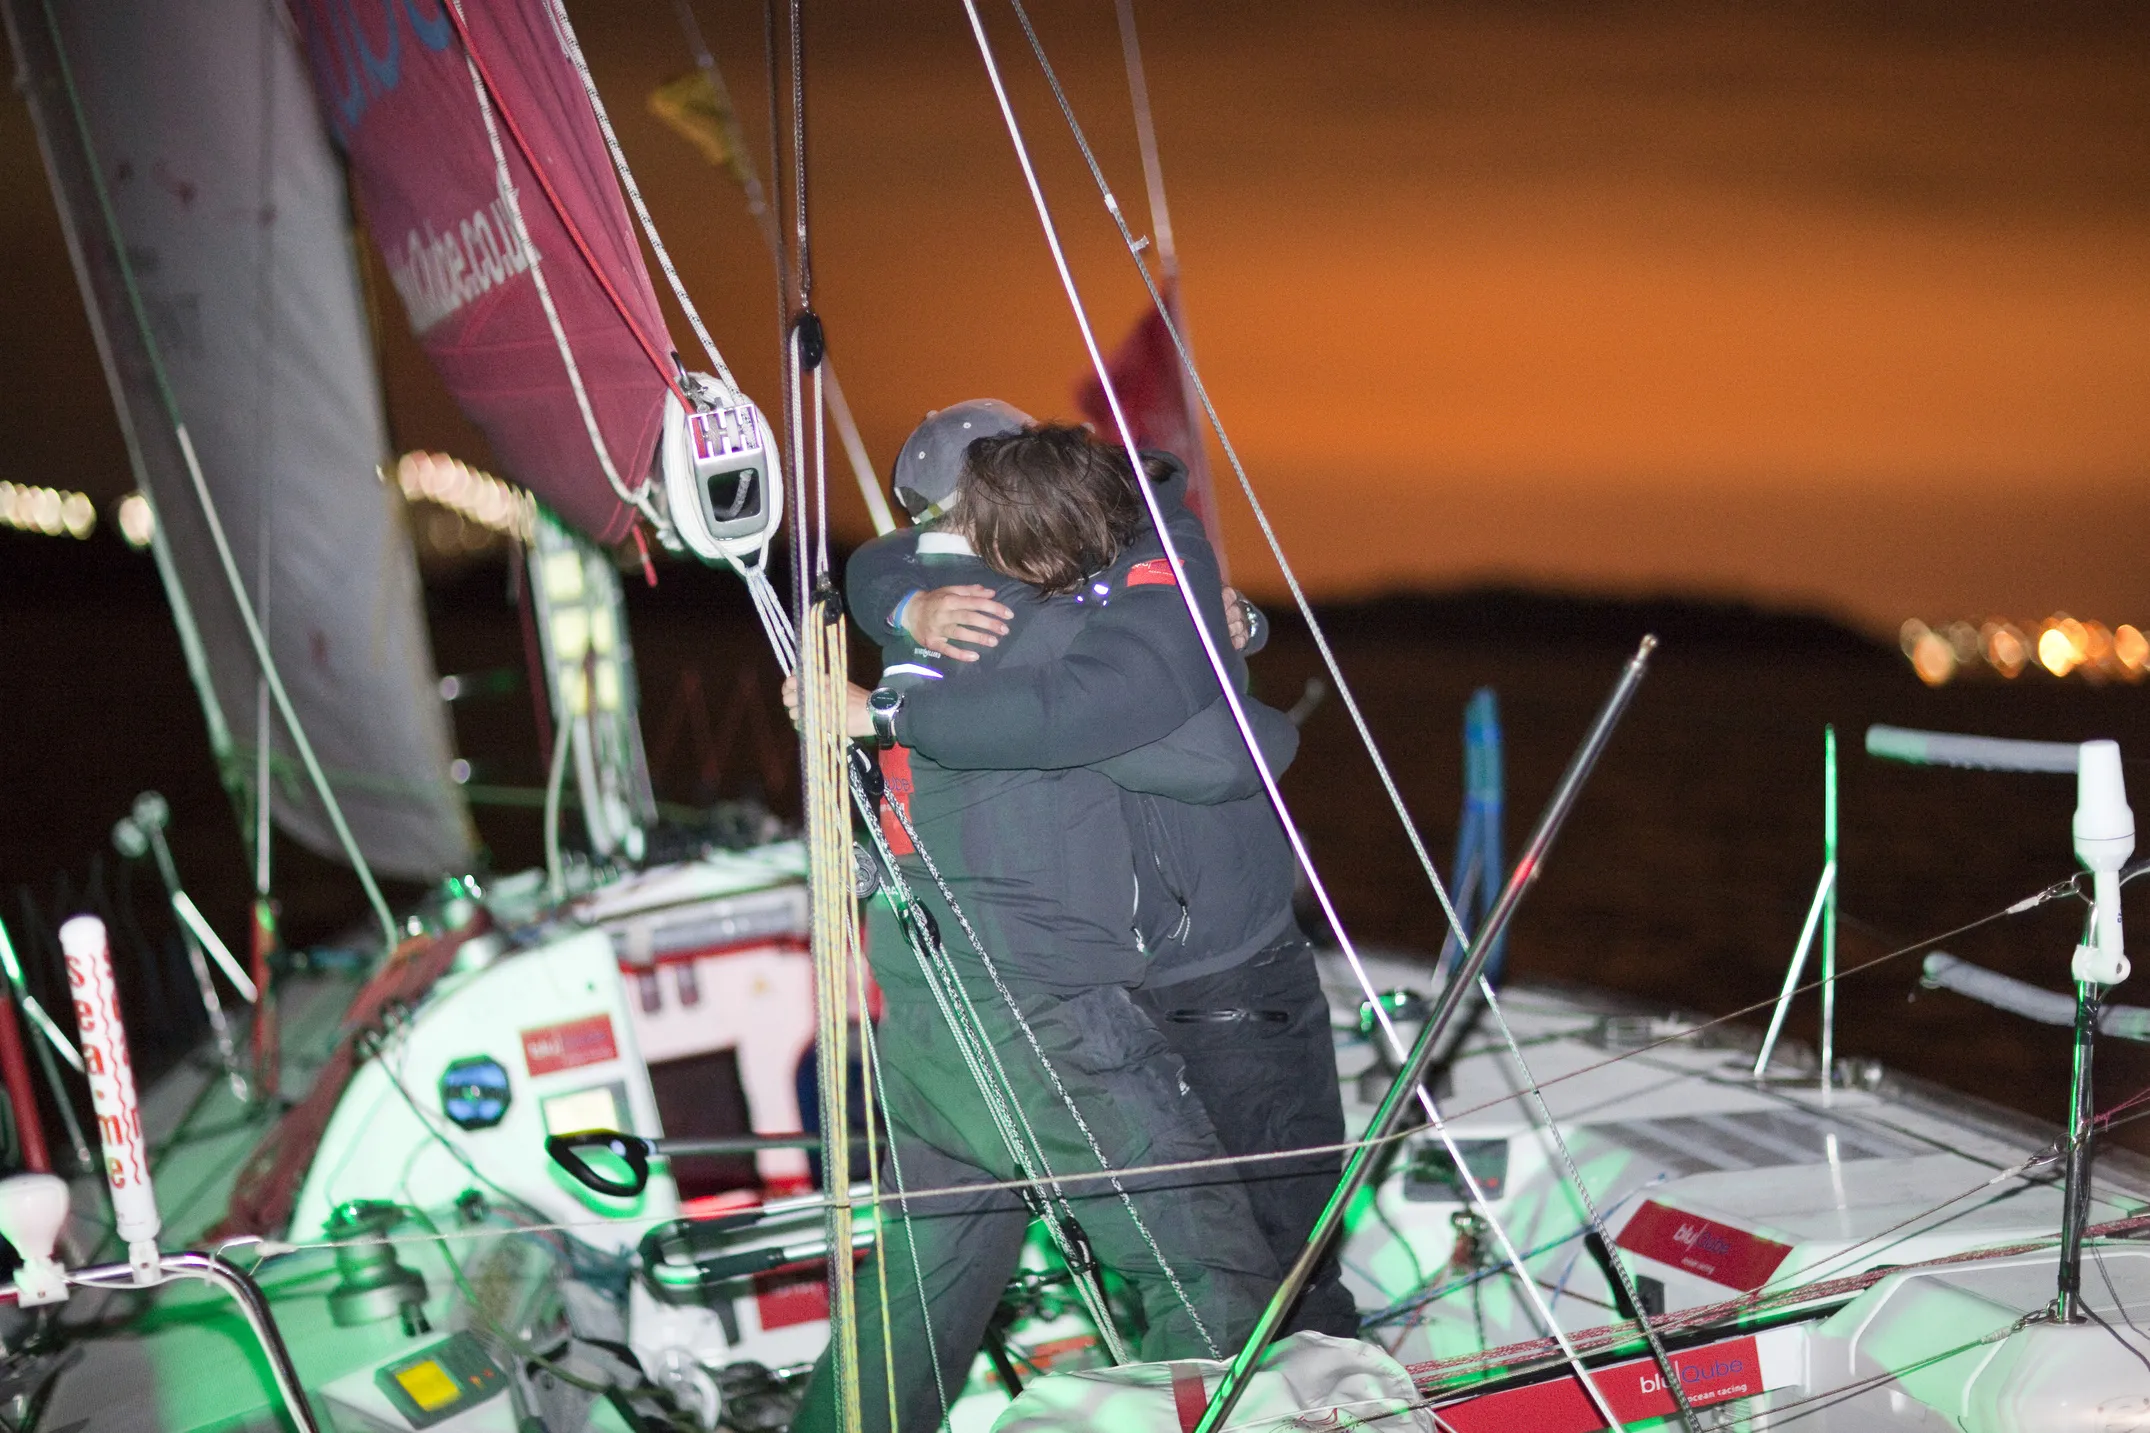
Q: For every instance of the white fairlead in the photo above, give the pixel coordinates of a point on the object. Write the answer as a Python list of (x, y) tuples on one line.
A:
[(719, 464)]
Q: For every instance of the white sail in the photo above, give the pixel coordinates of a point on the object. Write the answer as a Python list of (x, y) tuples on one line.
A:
[(189, 162)]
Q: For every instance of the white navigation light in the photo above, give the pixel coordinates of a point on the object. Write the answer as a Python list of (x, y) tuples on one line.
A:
[(2104, 839), (719, 466)]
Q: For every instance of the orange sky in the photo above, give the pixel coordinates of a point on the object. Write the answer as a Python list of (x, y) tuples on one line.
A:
[(1780, 301)]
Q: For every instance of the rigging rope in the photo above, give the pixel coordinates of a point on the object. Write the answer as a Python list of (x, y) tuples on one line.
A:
[(1052, 1075), (1003, 1106), (559, 207), (572, 48), (847, 430), (822, 682)]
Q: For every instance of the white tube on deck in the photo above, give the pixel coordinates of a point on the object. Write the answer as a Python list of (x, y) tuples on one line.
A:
[(112, 1094)]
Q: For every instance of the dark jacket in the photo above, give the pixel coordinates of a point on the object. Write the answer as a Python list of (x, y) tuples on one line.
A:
[(1111, 678)]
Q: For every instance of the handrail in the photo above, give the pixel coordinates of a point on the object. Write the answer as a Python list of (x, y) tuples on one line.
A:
[(1982, 753)]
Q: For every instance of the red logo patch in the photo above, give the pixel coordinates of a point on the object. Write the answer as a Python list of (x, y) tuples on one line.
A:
[(1634, 1390), (1718, 1252), (1157, 572), (552, 1048)]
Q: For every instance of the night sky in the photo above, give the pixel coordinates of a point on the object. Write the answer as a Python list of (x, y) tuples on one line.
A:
[(1813, 304)]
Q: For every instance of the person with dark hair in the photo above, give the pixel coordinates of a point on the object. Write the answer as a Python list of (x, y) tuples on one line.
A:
[(1231, 981), (1043, 868)]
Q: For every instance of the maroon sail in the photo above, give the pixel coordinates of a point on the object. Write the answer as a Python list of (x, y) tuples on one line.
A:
[(1159, 404), (410, 102)]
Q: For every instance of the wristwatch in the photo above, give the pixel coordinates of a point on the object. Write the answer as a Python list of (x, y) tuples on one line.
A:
[(882, 705)]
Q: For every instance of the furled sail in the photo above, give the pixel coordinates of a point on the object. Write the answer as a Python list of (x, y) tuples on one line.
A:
[(207, 215), (518, 306)]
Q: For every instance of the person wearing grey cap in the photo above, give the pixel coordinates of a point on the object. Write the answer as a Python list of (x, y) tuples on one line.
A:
[(1196, 850), (1043, 865), (1231, 982)]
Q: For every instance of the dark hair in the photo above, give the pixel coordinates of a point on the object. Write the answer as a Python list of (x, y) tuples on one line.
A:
[(1049, 505)]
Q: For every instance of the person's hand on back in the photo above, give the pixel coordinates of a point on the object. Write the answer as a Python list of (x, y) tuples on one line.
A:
[(1235, 619), (938, 619)]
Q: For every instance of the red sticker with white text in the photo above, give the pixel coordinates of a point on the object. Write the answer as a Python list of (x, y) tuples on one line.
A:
[(1635, 1391), (589, 1041), (1718, 1252)]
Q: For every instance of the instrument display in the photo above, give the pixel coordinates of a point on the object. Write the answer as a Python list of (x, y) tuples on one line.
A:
[(440, 1381)]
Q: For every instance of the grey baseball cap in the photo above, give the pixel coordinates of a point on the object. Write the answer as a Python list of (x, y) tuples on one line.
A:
[(931, 463)]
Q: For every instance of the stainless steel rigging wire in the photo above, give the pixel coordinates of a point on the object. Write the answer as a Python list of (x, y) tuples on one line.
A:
[(1273, 1316), (1052, 1076), (1276, 547), (976, 1047)]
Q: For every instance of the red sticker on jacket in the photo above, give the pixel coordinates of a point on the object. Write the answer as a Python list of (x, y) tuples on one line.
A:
[(1718, 1252), (1157, 572), (564, 1047)]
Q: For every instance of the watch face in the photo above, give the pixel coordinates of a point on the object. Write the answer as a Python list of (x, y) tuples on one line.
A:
[(884, 700)]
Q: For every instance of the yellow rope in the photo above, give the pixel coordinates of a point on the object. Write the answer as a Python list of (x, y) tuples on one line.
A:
[(861, 988), (822, 679)]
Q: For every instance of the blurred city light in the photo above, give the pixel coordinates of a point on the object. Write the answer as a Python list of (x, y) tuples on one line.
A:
[(136, 519), (55, 512), (2060, 645), (487, 506)]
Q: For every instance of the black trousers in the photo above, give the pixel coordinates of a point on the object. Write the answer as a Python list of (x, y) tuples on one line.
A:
[(1187, 1243), (1257, 1049)]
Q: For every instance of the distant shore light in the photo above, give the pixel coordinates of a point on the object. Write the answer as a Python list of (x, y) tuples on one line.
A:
[(137, 520), (54, 512), (2055, 652), (487, 503), (2061, 645)]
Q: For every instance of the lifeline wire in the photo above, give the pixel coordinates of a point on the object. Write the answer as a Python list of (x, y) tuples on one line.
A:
[(255, 636), (1195, 1166), (1216, 662)]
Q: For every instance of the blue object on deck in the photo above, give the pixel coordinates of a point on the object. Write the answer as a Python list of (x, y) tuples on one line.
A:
[(1479, 872)]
